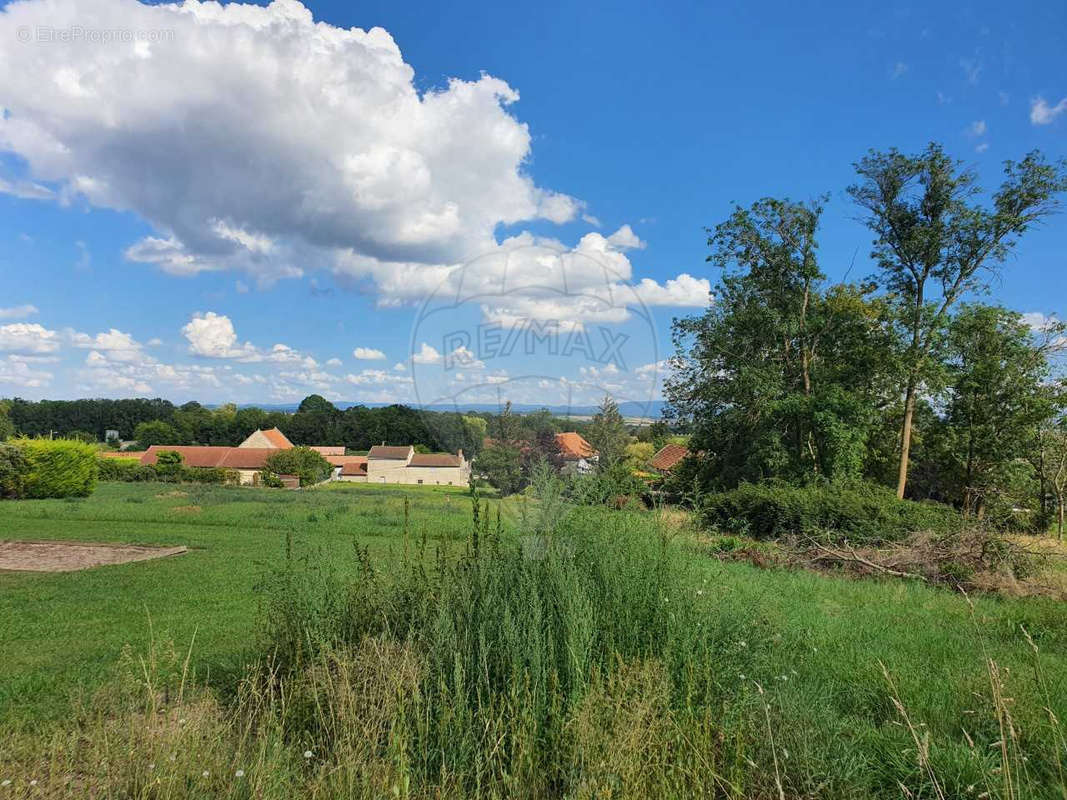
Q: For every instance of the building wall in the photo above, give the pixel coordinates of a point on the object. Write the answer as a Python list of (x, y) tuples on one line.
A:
[(386, 470), (380, 470), (438, 476), (248, 477), (257, 439)]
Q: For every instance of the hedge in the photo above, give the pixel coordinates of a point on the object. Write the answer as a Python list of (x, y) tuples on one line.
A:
[(13, 469), (49, 468), (861, 513), (131, 470)]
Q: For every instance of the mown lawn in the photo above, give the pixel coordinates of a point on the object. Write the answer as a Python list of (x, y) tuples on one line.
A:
[(61, 633)]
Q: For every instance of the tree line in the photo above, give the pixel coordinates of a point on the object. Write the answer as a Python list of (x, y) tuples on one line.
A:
[(902, 378), (316, 421)]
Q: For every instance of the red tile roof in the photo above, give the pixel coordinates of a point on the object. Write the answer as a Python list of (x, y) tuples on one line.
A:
[(393, 453), (572, 445), (277, 438), (668, 456), (327, 450), (434, 460), (228, 457), (350, 465), (247, 457), (355, 468), (191, 456)]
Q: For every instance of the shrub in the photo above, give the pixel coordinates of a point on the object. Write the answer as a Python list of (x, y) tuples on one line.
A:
[(131, 470), (169, 465), (270, 480), (13, 468), (118, 469), (303, 462), (605, 486), (57, 468), (861, 513)]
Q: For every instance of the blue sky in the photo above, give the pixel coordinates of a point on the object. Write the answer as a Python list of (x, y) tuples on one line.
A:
[(226, 204)]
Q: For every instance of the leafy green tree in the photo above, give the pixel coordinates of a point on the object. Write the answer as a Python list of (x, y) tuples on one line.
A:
[(781, 377), (639, 454), (501, 460), (501, 464), (1054, 444), (157, 433), (305, 463), (607, 433), (7, 427), (997, 402), (316, 404), (933, 244)]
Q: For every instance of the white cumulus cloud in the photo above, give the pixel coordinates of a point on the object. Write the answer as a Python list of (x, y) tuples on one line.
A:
[(212, 335), (428, 354), (18, 312), (1041, 113), (118, 345), (17, 372), (368, 354), (345, 151), (28, 337)]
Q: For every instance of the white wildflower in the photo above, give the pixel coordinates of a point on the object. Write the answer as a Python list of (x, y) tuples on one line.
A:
[(205, 773), (307, 754), (239, 774)]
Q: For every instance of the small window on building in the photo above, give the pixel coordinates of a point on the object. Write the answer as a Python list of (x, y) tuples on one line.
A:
[(420, 481)]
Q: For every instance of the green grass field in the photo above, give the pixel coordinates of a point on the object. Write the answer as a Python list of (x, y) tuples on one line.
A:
[(816, 645), (62, 632)]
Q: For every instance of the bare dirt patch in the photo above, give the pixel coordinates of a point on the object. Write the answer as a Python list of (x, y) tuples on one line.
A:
[(72, 556)]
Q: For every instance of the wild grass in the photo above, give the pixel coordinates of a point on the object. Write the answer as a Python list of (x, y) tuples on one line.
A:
[(578, 653)]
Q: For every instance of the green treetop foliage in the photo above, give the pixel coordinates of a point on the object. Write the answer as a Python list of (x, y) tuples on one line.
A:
[(501, 460), (1051, 451), (305, 463), (7, 427), (316, 404), (607, 433), (998, 399), (782, 376), (157, 433), (934, 244)]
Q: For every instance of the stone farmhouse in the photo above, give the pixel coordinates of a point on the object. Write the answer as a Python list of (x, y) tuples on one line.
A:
[(384, 464), (381, 465)]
